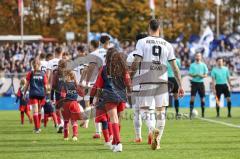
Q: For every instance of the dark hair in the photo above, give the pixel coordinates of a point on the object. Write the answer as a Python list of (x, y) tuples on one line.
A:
[(116, 65), (81, 48), (154, 24), (49, 56), (219, 58), (141, 36), (104, 39), (58, 50), (42, 56), (95, 44)]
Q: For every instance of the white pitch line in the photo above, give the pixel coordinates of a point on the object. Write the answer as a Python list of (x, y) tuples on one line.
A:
[(219, 122)]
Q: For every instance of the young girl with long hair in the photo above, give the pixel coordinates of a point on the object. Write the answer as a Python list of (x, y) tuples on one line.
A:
[(114, 82)]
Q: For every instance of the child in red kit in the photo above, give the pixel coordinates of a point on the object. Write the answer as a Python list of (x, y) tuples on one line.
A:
[(114, 82), (23, 103), (37, 83), (70, 108)]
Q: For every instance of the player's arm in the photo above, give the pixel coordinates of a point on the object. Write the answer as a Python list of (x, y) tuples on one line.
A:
[(135, 65), (213, 85), (45, 81), (205, 72), (18, 96), (177, 75), (229, 81), (95, 91)]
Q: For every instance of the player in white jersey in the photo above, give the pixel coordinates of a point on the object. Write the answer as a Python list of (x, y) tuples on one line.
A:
[(79, 73), (147, 115), (52, 66), (98, 60), (43, 68), (43, 63), (153, 53)]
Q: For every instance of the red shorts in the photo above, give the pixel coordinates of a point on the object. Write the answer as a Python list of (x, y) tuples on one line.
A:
[(71, 110), (24, 108), (120, 106), (33, 101), (101, 115)]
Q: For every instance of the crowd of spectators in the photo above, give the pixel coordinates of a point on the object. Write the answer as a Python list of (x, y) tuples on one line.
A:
[(16, 59)]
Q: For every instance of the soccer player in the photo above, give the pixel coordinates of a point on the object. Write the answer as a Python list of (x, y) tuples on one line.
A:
[(37, 84), (43, 63), (97, 61), (52, 67), (198, 71), (153, 53), (148, 116), (221, 84), (23, 103), (173, 85), (80, 72), (114, 81)]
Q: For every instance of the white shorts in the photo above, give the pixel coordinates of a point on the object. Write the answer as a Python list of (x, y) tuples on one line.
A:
[(155, 98)]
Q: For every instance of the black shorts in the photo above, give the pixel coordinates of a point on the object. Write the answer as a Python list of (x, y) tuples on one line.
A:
[(198, 87), (172, 85), (222, 89)]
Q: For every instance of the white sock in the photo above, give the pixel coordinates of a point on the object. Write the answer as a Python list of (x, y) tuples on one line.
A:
[(137, 123), (161, 120), (149, 117), (98, 128)]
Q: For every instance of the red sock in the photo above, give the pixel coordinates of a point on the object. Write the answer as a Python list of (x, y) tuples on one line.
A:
[(29, 116), (75, 128), (45, 120), (106, 135), (39, 119), (116, 133), (35, 119), (113, 141), (54, 116), (65, 133), (58, 117), (22, 117), (110, 128)]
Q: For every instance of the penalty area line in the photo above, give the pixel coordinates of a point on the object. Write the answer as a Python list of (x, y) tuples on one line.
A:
[(219, 122)]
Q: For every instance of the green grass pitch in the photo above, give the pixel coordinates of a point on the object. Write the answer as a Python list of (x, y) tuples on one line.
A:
[(185, 139)]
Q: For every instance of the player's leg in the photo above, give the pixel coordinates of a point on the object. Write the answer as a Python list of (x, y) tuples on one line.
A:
[(54, 117), (137, 121), (75, 130), (228, 97), (65, 129), (161, 103), (218, 95), (39, 113), (112, 111), (148, 116), (22, 117), (176, 104), (201, 91), (34, 103), (160, 125), (193, 94), (45, 119), (27, 112)]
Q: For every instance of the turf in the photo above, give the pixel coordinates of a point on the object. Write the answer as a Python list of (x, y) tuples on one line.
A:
[(182, 139)]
